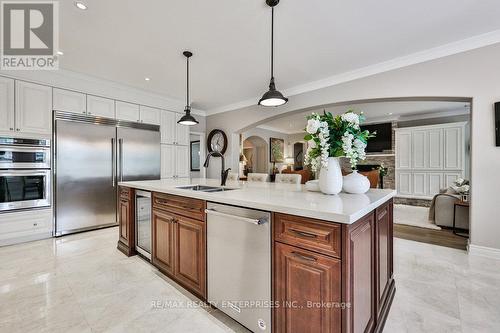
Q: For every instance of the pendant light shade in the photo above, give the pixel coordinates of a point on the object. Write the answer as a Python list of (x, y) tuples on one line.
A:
[(187, 119), (272, 97)]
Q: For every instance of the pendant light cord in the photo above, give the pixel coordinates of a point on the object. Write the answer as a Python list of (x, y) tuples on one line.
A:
[(187, 81), (272, 42)]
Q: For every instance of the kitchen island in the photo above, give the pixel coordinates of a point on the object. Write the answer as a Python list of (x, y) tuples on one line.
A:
[(331, 256)]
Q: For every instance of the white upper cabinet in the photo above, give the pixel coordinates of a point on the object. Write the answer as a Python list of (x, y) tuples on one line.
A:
[(167, 161), (150, 115), (69, 101), (453, 148), (6, 105), (403, 150), (435, 146), (182, 168), (127, 111), (182, 132), (100, 106), (174, 161), (167, 127), (419, 149), (33, 108)]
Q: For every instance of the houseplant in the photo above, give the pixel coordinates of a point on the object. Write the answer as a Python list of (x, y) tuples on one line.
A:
[(330, 137)]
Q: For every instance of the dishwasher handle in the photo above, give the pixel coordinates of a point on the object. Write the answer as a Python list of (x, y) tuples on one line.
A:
[(212, 211)]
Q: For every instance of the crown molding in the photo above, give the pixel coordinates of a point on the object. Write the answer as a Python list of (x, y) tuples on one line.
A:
[(70, 80), (442, 51)]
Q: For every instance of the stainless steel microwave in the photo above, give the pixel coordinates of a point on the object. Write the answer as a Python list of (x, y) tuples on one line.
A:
[(18, 153)]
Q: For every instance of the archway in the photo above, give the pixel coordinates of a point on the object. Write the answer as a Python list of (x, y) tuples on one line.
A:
[(255, 151)]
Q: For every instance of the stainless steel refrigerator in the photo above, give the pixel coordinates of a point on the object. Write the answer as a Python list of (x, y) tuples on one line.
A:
[(92, 154)]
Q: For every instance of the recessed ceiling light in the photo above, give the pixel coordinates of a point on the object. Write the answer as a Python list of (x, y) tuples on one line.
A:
[(60, 53), (389, 114), (80, 5), (147, 79)]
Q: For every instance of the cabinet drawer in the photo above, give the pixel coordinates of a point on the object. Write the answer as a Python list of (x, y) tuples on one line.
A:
[(125, 193), (184, 206), (308, 233)]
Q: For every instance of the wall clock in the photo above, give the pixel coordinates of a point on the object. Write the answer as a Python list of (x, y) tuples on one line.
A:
[(217, 141)]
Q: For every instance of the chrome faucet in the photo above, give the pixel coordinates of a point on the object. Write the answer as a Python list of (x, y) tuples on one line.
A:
[(223, 173)]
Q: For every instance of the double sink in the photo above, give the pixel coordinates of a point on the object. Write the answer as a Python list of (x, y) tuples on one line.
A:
[(205, 188)]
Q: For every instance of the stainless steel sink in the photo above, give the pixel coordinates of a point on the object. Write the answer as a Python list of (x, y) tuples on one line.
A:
[(204, 188)]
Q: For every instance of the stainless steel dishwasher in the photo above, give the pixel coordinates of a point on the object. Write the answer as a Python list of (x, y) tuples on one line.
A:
[(143, 223), (239, 264)]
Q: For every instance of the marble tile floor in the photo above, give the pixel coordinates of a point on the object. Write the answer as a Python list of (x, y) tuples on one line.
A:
[(81, 283)]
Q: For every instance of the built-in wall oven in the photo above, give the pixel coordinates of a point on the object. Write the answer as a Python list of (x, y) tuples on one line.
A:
[(25, 176)]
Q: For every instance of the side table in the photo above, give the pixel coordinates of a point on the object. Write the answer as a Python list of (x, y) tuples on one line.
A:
[(459, 203)]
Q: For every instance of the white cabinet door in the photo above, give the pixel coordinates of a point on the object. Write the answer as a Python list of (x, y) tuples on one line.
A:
[(435, 181), (127, 111), (24, 223), (100, 106), (404, 183), (435, 144), (403, 150), (167, 161), (167, 127), (419, 149), (150, 115), (453, 148), (182, 132), (6, 104), (182, 161), (33, 108), (69, 101), (419, 184)]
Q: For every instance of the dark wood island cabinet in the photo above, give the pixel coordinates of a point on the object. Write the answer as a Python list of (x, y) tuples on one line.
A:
[(326, 276)]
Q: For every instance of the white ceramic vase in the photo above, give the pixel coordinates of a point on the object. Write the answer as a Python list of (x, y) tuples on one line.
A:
[(356, 183), (330, 178)]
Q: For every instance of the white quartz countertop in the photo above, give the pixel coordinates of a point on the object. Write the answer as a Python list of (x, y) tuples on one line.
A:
[(281, 198)]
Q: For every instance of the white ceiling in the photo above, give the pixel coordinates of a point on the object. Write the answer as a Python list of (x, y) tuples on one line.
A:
[(374, 112), (127, 40)]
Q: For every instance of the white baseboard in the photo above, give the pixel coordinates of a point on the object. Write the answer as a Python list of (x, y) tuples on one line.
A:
[(484, 251)]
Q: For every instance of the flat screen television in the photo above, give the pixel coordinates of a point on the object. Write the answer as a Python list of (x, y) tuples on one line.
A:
[(382, 141)]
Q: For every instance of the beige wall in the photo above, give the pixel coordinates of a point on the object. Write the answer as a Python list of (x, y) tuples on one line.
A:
[(474, 74)]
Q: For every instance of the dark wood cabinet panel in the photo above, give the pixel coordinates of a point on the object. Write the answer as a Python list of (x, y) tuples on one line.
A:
[(189, 207), (310, 234), (190, 254), (359, 275), (307, 288), (384, 251), (126, 221), (162, 250)]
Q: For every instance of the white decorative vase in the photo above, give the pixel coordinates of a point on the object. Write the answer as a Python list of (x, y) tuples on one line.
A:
[(330, 178), (356, 183)]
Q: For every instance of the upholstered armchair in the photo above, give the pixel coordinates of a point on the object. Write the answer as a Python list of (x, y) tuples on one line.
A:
[(443, 211)]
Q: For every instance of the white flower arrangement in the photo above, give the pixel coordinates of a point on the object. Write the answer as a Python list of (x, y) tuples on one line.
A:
[(461, 186), (335, 136)]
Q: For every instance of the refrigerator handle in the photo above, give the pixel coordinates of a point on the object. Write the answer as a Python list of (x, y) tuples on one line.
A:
[(120, 158), (113, 161)]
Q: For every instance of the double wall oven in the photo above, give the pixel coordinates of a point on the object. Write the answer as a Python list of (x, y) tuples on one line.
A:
[(24, 174)]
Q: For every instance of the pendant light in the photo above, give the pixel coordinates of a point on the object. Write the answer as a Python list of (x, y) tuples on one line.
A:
[(187, 119), (273, 97)]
